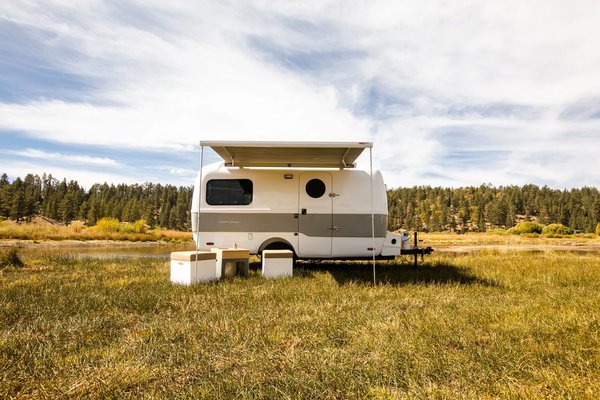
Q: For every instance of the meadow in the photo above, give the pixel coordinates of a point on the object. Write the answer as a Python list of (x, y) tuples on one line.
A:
[(492, 325), (490, 241)]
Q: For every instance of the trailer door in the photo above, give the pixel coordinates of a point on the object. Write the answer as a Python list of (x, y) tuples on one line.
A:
[(315, 214)]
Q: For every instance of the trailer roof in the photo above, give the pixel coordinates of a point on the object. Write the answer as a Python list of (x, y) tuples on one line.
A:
[(288, 154)]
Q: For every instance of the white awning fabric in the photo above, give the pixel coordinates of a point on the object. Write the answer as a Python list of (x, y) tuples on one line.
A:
[(289, 154)]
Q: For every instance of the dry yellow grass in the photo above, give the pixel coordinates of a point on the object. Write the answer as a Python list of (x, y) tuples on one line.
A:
[(446, 239), (76, 231), (496, 325)]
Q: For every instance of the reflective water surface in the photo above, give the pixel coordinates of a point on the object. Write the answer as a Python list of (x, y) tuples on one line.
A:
[(129, 251)]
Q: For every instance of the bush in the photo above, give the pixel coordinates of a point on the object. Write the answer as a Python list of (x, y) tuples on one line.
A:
[(77, 226), (526, 228), (138, 226), (557, 230), (107, 224), (10, 258), (598, 229)]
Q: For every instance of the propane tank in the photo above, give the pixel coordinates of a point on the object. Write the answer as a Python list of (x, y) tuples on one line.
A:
[(405, 241)]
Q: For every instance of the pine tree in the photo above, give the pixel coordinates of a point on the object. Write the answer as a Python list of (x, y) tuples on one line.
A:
[(66, 210), (5, 196), (31, 190), (17, 206)]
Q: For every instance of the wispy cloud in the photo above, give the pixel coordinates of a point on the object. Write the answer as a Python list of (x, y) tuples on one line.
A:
[(68, 158), (85, 177), (452, 93)]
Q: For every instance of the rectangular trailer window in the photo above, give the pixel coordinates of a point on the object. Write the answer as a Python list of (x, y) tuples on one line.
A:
[(229, 192)]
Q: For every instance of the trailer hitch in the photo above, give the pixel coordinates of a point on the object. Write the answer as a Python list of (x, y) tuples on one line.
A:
[(417, 251)]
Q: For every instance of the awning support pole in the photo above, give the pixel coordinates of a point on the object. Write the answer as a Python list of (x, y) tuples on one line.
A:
[(199, 202), (372, 214)]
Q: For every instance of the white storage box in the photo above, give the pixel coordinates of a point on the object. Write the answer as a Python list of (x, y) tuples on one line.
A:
[(231, 262), (277, 263), (189, 267)]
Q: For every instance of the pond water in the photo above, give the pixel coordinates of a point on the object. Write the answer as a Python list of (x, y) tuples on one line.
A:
[(129, 251)]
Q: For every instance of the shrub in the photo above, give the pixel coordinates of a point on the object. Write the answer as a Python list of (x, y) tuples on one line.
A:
[(526, 228), (138, 226), (77, 226), (10, 258), (598, 229), (107, 224), (557, 230)]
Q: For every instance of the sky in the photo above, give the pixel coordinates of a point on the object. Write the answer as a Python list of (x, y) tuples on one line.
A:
[(452, 93)]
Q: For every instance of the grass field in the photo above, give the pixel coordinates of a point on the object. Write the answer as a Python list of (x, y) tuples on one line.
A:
[(495, 325), (475, 238)]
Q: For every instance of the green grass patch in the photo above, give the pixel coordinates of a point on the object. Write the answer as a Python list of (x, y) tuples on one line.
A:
[(496, 325)]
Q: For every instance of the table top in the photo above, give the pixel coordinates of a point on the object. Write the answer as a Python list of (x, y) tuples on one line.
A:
[(192, 255), (231, 253), (278, 254)]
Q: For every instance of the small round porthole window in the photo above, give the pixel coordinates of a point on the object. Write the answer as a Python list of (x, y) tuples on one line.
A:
[(315, 188)]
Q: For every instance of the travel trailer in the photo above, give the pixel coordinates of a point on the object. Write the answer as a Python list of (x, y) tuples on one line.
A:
[(306, 197)]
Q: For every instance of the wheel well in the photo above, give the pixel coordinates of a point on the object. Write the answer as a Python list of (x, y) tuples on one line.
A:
[(276, 244)]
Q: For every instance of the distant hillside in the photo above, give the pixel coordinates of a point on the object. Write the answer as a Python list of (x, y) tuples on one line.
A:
[(420, 208), (480, 208), (166, 206)]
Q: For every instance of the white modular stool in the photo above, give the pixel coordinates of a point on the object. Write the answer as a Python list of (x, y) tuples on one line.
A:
[(231, 262), (189, 267), (277, 263)]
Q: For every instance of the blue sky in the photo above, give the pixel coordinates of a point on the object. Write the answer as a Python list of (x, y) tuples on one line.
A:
[(451, 93)]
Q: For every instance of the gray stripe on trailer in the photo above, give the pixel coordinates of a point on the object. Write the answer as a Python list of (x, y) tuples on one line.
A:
[(314, 225), (359, 225), (247, 222)]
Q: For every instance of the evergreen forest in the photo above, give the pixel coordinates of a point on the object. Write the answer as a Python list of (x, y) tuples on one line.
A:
[(479, 209), (166, 206), (421, 208)]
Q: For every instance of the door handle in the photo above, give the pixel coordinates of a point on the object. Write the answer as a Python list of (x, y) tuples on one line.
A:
[(334, 228), (304, 211)]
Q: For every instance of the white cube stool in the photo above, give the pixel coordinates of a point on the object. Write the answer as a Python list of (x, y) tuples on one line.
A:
[(232, 262), (189, 267), (277, 263)]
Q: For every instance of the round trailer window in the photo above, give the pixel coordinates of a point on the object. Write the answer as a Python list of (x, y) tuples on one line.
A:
[(315, 188)]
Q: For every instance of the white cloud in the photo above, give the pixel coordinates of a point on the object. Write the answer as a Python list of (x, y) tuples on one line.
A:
[(172, 91), (84, 178), (70, 158), (400, 73)]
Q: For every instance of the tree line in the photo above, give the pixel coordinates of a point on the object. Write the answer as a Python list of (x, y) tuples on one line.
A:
[(426, 208), (421, 208), (166, 206)]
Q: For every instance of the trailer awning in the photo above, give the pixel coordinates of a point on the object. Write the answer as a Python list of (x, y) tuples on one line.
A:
[(289, 154)]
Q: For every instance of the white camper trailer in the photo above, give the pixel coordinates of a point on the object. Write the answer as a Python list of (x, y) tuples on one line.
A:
[(305, 197)]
